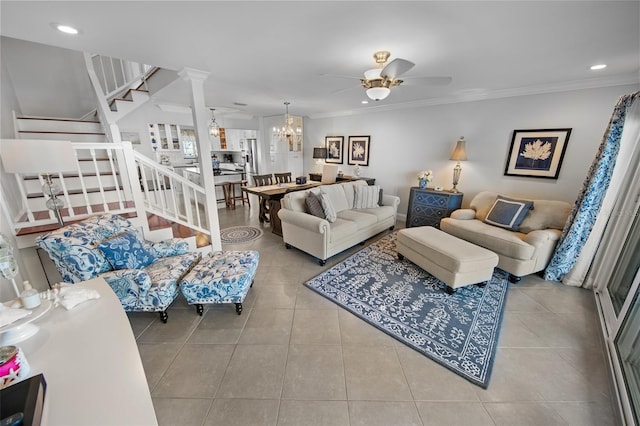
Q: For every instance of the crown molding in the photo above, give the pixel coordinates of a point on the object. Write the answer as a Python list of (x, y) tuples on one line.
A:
[(480, 95)]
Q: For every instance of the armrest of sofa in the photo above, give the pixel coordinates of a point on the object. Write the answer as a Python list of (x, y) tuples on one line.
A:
[(391, 200), (304, 220), (463, 214), (128, 283)]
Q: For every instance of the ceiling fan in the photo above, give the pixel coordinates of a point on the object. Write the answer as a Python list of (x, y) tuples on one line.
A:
[(378, 81)]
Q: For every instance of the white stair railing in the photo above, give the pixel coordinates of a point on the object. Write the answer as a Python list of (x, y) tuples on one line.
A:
[(117, 75), (110, 177), (170, 195)]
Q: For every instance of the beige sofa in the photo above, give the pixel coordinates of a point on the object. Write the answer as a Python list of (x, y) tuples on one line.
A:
[(521, 252), (323, 239)]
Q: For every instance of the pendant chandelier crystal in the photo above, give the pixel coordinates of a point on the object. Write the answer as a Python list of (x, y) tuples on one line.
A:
[(214, 129), (288, 132)]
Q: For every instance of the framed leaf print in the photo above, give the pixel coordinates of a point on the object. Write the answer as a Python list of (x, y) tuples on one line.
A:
[(359, 150), (335, 148), (537, 153)]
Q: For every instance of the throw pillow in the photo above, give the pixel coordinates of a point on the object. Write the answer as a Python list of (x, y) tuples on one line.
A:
[(126, 251), (508, 213), (367, 197), (314, 206), (327, 206)]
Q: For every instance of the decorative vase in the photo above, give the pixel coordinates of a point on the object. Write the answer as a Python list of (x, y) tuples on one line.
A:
[(423, 183)]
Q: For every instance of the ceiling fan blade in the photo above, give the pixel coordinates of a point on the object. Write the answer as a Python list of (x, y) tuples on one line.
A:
[(427, 81), (396, 68), (341, 76)]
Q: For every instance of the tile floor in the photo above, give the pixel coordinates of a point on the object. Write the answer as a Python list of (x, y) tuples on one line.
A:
[(294, 358)]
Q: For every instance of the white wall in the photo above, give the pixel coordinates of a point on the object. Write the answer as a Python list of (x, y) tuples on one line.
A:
[(54, 82), (404, 142)]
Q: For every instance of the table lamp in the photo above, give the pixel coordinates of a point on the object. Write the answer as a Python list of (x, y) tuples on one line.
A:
[(459, 154), (319, 154), (41, 157), (8, 264)]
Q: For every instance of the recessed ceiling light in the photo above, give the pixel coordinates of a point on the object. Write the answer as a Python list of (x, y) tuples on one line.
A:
[(66, 29), (364, 102), (598, 67)]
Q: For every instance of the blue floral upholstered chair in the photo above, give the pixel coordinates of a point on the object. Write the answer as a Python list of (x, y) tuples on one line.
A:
[(143, 275)]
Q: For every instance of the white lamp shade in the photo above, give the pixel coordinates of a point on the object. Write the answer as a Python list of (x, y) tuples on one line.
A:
[(460, 151), (378, 93), (372, 74), (37, 156)]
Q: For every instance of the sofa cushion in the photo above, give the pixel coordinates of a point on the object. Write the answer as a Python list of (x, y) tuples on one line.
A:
[(295, 201), (327, 205), (508, 212), (367, 197), (126, 251), (498, 240), (314, 205), (382, 212), (342, 229), (337, 196), (546, 214), (361, 218)]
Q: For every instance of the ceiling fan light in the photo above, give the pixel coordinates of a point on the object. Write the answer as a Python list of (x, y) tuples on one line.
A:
[(378, 93)]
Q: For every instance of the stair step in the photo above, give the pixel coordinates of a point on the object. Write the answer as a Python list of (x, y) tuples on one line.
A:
[(76, 192), (74, 175), (80, 211), (64, 136), (37, 124)]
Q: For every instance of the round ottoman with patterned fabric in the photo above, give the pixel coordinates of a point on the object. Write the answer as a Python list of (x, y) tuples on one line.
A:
[(221, 277)]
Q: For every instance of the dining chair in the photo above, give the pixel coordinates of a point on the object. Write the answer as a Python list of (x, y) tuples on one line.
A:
[(329, 173), (262, 180), (283, 177)]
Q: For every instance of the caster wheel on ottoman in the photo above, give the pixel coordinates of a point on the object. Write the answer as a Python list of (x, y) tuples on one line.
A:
[(221, 277)]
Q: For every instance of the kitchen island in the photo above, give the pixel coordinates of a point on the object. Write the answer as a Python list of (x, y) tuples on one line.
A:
[(222, 176)]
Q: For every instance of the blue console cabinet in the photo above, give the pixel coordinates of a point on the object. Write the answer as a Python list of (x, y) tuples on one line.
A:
[(427, 206)]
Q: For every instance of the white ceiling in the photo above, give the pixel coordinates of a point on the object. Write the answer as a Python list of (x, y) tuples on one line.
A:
[(264, 53)]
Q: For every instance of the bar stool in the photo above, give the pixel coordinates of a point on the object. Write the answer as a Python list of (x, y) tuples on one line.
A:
[(242, 196), (228, 191)]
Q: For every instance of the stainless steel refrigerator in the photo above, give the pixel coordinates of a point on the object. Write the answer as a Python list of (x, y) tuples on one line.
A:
[(251, 156)]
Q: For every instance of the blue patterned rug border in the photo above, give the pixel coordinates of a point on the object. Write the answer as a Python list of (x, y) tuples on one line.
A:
[(494, 293)]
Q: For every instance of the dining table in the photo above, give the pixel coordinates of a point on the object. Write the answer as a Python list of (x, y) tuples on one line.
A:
[(272, 196)]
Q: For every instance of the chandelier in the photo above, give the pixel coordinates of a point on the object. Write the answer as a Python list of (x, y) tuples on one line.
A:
[(288, 132), (214, 129)]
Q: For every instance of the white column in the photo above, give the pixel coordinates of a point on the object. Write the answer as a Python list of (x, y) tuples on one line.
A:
[(200, 119)]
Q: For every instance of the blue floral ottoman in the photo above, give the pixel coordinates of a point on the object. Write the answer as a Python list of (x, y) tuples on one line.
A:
[(221, 277)]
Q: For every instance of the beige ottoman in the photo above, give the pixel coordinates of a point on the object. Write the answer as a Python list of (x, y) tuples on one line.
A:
[(456, 262)]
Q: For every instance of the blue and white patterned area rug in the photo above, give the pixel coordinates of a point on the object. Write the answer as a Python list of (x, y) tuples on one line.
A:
[(459, 331), (240, 234)]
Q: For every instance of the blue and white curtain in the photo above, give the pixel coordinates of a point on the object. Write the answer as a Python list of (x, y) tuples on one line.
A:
[(585, 211)]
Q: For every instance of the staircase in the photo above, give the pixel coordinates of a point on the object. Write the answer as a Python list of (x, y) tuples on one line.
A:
[(110, 176)]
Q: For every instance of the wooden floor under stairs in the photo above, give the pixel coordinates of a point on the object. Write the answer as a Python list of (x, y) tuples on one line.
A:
[(155, 222), (179, 231), (44, 214)]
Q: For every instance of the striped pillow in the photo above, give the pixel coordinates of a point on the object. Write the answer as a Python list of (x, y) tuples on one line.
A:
[(367, 197), (327, 206)]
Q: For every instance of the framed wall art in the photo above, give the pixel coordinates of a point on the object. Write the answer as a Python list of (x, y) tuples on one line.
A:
[(335, 148), (359, 150), (537, 153)]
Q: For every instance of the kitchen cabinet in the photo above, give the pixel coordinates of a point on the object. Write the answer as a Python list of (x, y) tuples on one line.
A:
[(165, 136), (428, 206), (232, 139)]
